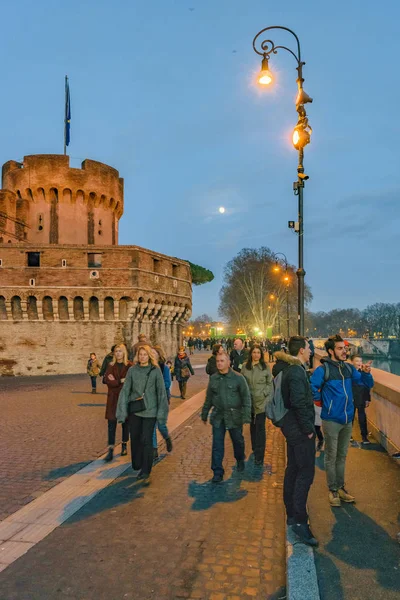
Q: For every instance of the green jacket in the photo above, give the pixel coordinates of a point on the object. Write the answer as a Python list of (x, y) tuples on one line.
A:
[(259, 381), (229, 397), (155, 396)]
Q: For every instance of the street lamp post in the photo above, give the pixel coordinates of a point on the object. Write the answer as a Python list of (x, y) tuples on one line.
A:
[(301, 137), (286, 279)]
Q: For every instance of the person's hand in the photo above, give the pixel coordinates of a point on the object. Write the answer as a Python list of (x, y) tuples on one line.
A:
[(367, 404), (111, 377), (310, 435), (367, 367), (122, 380)]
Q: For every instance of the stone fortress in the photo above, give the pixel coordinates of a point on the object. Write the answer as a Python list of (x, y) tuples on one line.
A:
[(66, 287)]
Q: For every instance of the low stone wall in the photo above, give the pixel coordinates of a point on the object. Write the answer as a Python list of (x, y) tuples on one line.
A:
[(384, 411), (39, 348)]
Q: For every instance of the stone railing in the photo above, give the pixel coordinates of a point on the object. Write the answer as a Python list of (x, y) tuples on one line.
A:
[(384, 411)]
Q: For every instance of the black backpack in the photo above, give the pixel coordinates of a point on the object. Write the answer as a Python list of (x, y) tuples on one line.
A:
[(325, 366)]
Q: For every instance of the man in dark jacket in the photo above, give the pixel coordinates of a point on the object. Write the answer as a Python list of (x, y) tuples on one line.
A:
[(229, 397), (298, 429), (332, 389), (239, 355)]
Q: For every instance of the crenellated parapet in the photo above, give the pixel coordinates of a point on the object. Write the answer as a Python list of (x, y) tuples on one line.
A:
[(45, 201)]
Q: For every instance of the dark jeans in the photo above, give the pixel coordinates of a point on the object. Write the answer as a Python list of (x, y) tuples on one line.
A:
[(320, 435), (182, 388), (299, 476), (112, 428), (218, 446), (93, 379), (258, 436), (362, 420), (141, 432)]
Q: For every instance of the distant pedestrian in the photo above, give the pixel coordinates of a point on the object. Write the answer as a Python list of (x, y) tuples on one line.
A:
[(114, 378), (182, 369), (142, 340), (211, 366), (191, 345), (239, 355), (332, 384), (107, 359), (171, 369), (259, 379), (143, 398), (318, 427), (93, 369), (228, 396), (312, 352), (159, 355), (298, 428), (362, 399)]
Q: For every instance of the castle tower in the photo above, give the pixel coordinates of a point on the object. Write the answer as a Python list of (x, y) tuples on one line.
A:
[(44, 201)]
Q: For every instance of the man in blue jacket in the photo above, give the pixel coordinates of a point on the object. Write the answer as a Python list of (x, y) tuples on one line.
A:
[(332, 389)]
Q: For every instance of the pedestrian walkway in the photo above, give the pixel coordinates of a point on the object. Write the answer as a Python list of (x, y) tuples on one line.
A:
[(359, 557), (180, 537)]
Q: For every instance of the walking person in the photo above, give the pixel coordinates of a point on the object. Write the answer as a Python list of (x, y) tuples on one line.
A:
[(107, 360), (259, 379), (332, 385), (239, 355), (143, 398), (298, 428), (211, 366), (362, 399), (142, 340), (182, 370), (159, 355), (114, 378), (93, 369), (228, 396)]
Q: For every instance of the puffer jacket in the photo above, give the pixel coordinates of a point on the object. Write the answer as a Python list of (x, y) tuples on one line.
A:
[(155, 395), (259, 381), (229, 397), (336, 394), (93, 367), (298, 422)]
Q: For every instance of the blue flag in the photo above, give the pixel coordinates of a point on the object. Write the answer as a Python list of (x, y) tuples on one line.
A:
[(67, 113)]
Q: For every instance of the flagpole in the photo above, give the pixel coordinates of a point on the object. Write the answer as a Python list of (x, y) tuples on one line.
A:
[(65, 116)]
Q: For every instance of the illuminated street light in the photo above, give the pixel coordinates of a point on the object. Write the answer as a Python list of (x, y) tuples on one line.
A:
[(301, 137)]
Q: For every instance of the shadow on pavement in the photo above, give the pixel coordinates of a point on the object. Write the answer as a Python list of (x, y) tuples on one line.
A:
[(93, 405), (123, 491), (362, 543), (329, 583), (65, 471), (207, 494), (90, 393), (320, 460), (279, 594)]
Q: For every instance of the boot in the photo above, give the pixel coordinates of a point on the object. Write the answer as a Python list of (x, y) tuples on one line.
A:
[(168, 443), (94, 391), (155, 454), (123, 449), (110, 454)]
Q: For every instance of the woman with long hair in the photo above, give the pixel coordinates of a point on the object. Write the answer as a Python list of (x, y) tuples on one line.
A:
[(114, 378), (259, 379), (182, 369), (159, 355), (211, 367), (144, 400)]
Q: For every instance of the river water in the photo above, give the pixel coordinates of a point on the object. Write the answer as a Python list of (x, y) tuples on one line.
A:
[(391, 366)]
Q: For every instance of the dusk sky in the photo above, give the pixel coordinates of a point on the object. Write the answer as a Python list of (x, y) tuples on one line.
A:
[(164, 91)]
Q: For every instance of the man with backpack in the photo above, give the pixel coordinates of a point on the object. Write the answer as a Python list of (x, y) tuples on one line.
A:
[(332, 389), (293, 399)]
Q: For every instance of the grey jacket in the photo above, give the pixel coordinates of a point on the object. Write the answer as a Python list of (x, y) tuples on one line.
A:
[(155, 396)]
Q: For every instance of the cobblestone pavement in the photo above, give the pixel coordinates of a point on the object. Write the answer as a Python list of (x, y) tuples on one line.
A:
[(53, 427), (179, 537)]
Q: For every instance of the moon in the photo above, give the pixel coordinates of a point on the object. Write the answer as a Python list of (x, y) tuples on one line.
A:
[(221, 209)]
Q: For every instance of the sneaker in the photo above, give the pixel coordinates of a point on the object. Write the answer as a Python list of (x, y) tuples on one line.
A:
[(304, 533), (334, 499), (320, 445), (258, 462), (240, 466), (168, 443), (143, 477), (217, 479), (365, 442), (345, 496), (124, 451)]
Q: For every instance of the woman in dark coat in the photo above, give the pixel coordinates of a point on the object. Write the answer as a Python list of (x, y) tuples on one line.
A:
[(182, 370), (114, 378)]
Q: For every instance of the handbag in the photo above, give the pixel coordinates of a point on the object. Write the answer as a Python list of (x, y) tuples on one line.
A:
[(185, 372), (138, 405)]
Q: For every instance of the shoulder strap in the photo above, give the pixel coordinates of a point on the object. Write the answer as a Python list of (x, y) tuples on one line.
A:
[(147, 380), (326, 371)]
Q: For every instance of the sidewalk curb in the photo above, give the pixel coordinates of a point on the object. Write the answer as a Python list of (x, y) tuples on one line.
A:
[(301, 574), (22, 530)]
